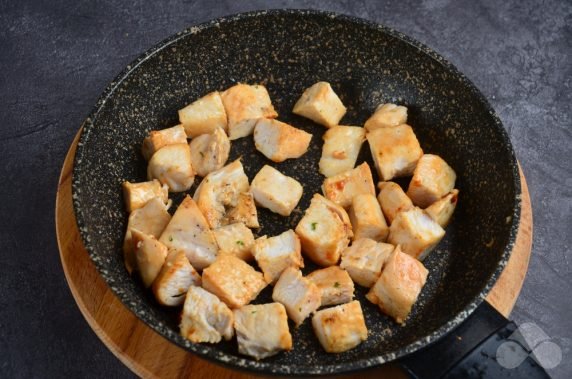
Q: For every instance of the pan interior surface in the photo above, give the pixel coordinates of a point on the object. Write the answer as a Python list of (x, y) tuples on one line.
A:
[(288, 51)]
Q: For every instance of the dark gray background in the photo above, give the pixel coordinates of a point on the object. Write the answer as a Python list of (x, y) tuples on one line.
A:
[(56, 57)]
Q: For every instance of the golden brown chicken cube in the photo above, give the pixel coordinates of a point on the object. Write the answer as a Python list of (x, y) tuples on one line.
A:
[(244, 211), (364, 260), (234, 281), (209, 152), (342, 188), (279, 141), (387, 116), (367, 219), (335, 284), (273, 190), (172, 166), (150, 219), (244, 105), (174, 279), (442, 210), (324, 231), (205, 318), (218, 193), (342, 145), (235, 239), (299, 295), (277, 253), (150, 255), (432, 179), (340, 328), (320, 104), (189, 232), (159, 138), (262, 330), (137, 195), (392, 200), (395, 151), (204, 115), (416, 232), (399, 285)]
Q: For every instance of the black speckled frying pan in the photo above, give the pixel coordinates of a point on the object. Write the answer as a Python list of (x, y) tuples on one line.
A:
[(366, 64)]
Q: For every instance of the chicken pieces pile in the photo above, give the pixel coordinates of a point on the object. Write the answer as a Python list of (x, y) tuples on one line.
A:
[(203, 257)]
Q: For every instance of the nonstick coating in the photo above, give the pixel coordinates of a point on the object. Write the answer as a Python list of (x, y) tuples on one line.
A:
[(287, 51)]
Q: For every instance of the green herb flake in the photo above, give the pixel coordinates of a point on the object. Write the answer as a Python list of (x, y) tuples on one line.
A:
[(240, 243), (253, 312), (170, 238), (336, 285), (313, 225)]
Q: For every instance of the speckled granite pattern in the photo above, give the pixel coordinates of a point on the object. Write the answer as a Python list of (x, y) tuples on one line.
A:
[(58, 56), (287, 51)]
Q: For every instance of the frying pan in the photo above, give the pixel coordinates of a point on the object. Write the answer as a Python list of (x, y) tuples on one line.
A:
[(288, 50)]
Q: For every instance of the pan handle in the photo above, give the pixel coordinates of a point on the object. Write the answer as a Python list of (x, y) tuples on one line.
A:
[(485, 345)]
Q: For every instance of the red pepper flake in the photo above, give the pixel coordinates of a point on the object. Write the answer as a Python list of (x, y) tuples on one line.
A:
[(340, 185)]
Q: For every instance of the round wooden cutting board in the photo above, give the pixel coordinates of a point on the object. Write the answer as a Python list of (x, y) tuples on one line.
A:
[(150, 355)]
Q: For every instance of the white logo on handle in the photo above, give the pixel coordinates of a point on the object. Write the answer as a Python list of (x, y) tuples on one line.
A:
[(529, 340)]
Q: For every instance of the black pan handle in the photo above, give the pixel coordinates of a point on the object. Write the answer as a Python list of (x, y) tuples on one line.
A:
[(470, 351)]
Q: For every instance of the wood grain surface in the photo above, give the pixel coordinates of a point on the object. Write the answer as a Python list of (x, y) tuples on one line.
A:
[(149, 355)]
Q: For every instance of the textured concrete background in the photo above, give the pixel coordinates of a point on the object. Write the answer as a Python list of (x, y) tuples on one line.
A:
[(56, 57)]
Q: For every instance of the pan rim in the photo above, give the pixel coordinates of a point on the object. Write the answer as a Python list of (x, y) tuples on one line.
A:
[(210, 352)]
